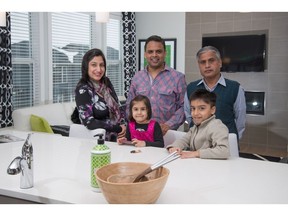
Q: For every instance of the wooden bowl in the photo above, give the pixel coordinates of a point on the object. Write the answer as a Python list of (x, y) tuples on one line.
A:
[(131, 193)]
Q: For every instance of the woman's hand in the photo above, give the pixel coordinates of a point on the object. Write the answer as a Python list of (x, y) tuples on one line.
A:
[(123, 132)]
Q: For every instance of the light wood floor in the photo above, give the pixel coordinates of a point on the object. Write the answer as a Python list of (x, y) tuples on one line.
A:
[(263, 151)]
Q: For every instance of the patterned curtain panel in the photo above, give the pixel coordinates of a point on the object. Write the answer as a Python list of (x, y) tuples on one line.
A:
[(5, 75), (129, 49)]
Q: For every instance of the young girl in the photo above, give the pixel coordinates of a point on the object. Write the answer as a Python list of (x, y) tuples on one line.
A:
[(141, 130)]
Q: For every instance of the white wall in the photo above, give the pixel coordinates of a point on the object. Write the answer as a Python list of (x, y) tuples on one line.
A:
[(166, 25)]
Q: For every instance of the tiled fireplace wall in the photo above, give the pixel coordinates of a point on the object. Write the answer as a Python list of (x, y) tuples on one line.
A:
[(265, 134)]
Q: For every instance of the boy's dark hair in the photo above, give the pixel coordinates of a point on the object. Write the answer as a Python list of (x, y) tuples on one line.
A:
[(155, 38), (147, 103), (205, 95)]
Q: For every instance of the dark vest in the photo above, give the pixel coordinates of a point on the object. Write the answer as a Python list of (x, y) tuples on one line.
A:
[(226, 97)]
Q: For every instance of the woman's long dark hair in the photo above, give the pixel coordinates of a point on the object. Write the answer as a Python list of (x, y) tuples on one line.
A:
[(89, 55)]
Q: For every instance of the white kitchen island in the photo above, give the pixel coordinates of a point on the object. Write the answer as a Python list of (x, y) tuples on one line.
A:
[(62, 174)]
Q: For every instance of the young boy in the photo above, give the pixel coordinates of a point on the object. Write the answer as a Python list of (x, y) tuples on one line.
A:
[(208, 138)]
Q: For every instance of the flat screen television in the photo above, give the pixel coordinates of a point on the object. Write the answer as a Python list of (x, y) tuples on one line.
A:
[(243, 53)]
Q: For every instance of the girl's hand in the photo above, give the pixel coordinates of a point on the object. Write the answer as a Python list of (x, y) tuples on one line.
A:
[(121, 140), (139, 143)]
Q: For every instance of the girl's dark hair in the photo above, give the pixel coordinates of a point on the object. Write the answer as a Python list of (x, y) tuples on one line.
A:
[(155, 38), (89, 55), (205, 95), (147, 103)]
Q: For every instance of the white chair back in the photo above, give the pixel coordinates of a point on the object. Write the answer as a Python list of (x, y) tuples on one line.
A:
[(233, 144), (171, 136), (80, 131)]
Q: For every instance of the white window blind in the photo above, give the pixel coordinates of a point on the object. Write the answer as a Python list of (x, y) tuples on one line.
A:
[(22, 60), (114, 54), (68, 38), (71, 38)]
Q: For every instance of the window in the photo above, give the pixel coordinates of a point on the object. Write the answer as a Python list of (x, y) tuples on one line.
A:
[(114, 53), (69, 44), (47, 51), (22, 60)]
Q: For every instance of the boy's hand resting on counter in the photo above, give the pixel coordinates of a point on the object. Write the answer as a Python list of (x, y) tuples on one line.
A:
[(185, 154)]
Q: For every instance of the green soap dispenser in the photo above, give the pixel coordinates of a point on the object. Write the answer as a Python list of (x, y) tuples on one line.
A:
[(100, 156)]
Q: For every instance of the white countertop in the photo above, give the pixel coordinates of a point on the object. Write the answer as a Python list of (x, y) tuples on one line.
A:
[(62, 174)]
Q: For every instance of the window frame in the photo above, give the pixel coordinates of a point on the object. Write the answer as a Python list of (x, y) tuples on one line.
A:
[(42, 74)]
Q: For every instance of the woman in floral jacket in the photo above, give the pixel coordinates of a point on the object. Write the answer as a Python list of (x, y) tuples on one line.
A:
[(96, 99)]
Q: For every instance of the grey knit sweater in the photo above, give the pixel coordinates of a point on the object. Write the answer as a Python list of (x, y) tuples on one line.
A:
[(210, 138)]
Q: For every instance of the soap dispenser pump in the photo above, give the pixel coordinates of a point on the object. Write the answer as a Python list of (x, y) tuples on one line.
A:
[(100, 156)]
